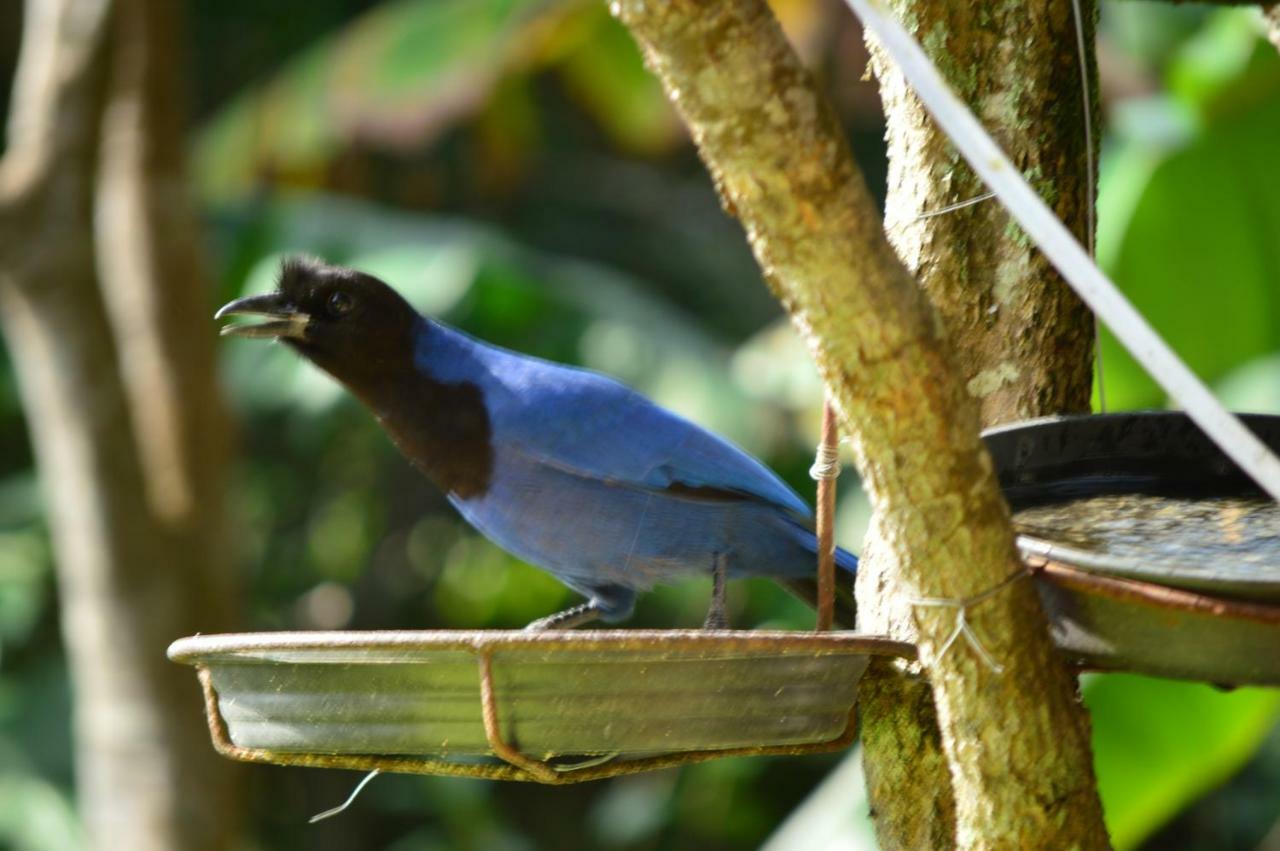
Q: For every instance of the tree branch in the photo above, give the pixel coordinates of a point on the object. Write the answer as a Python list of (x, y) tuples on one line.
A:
[(131, 577), (57, 93), (153, 270), (1016, 743)]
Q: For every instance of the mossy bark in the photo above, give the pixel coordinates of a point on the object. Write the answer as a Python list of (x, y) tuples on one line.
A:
[(1023, 338), (1016, 743)]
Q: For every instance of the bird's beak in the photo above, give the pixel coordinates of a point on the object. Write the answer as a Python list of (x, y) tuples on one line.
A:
[(284, 321)]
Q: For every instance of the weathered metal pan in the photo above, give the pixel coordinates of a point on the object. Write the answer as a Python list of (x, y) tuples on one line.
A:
[(1119, 624), (1142, 496), (1173, 569), (622, 693), (441, 702)]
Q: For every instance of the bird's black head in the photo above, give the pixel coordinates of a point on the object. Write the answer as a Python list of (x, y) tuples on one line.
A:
[(363, 333), (348, 323)]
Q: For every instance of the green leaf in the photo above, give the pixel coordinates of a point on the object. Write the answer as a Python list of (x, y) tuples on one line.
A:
[(1224, 64), (1199, 254), (1160, 744), (1254, 387), (398, 74)]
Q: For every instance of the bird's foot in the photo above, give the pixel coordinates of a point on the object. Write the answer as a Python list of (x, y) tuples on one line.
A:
[(568, 619), (718, 614), (715, 622)]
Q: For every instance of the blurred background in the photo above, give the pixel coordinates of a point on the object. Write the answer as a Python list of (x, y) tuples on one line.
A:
[(513, 169)]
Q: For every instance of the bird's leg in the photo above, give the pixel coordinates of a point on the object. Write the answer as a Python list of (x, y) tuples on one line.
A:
[(568, 619), (718, 614)]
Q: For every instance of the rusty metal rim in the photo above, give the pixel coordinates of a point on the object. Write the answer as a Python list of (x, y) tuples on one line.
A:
[(1151, 594), (1140, 570), (199, 648)]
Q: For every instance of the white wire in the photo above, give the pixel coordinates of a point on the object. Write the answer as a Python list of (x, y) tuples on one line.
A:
[(1065, 253), (348, 802), (959, 205)]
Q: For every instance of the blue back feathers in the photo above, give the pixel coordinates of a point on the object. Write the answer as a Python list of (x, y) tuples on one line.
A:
[(584, 422)]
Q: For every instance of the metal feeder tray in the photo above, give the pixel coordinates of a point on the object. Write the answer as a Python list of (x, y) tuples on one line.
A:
[(563, 707), (555, 707), (1152, 552)]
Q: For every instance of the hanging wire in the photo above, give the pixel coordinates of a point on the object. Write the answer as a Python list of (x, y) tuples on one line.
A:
[(963, 627), (959, 205), (1091, 201)]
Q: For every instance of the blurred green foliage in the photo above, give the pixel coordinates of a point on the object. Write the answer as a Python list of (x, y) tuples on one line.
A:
[(514, 170), (1190, 210), (1159, 743)]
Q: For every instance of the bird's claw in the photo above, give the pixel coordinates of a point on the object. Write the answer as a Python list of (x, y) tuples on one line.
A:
[(718, 612), (567, 619), (711, 624)]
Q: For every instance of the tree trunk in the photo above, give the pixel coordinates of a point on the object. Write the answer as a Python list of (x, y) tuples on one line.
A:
[(124, 415), (1016, 742), (1023, 337)]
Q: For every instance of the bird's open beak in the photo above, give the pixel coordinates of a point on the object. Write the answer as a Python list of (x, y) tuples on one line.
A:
[(284, 321)]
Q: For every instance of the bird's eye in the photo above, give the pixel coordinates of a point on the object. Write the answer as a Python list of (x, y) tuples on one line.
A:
[(340, 303)]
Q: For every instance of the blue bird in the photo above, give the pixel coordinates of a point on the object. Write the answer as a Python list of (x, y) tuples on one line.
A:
[(562, 467)]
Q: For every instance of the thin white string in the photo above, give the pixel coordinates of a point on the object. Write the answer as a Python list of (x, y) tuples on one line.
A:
[(826, 463), (959, 205), (348, 802), (962, 619)]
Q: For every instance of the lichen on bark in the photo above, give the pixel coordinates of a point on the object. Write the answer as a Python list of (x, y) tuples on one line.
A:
[(1023, 338)]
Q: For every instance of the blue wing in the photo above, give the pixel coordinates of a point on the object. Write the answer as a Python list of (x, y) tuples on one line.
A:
[(585, 423)]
